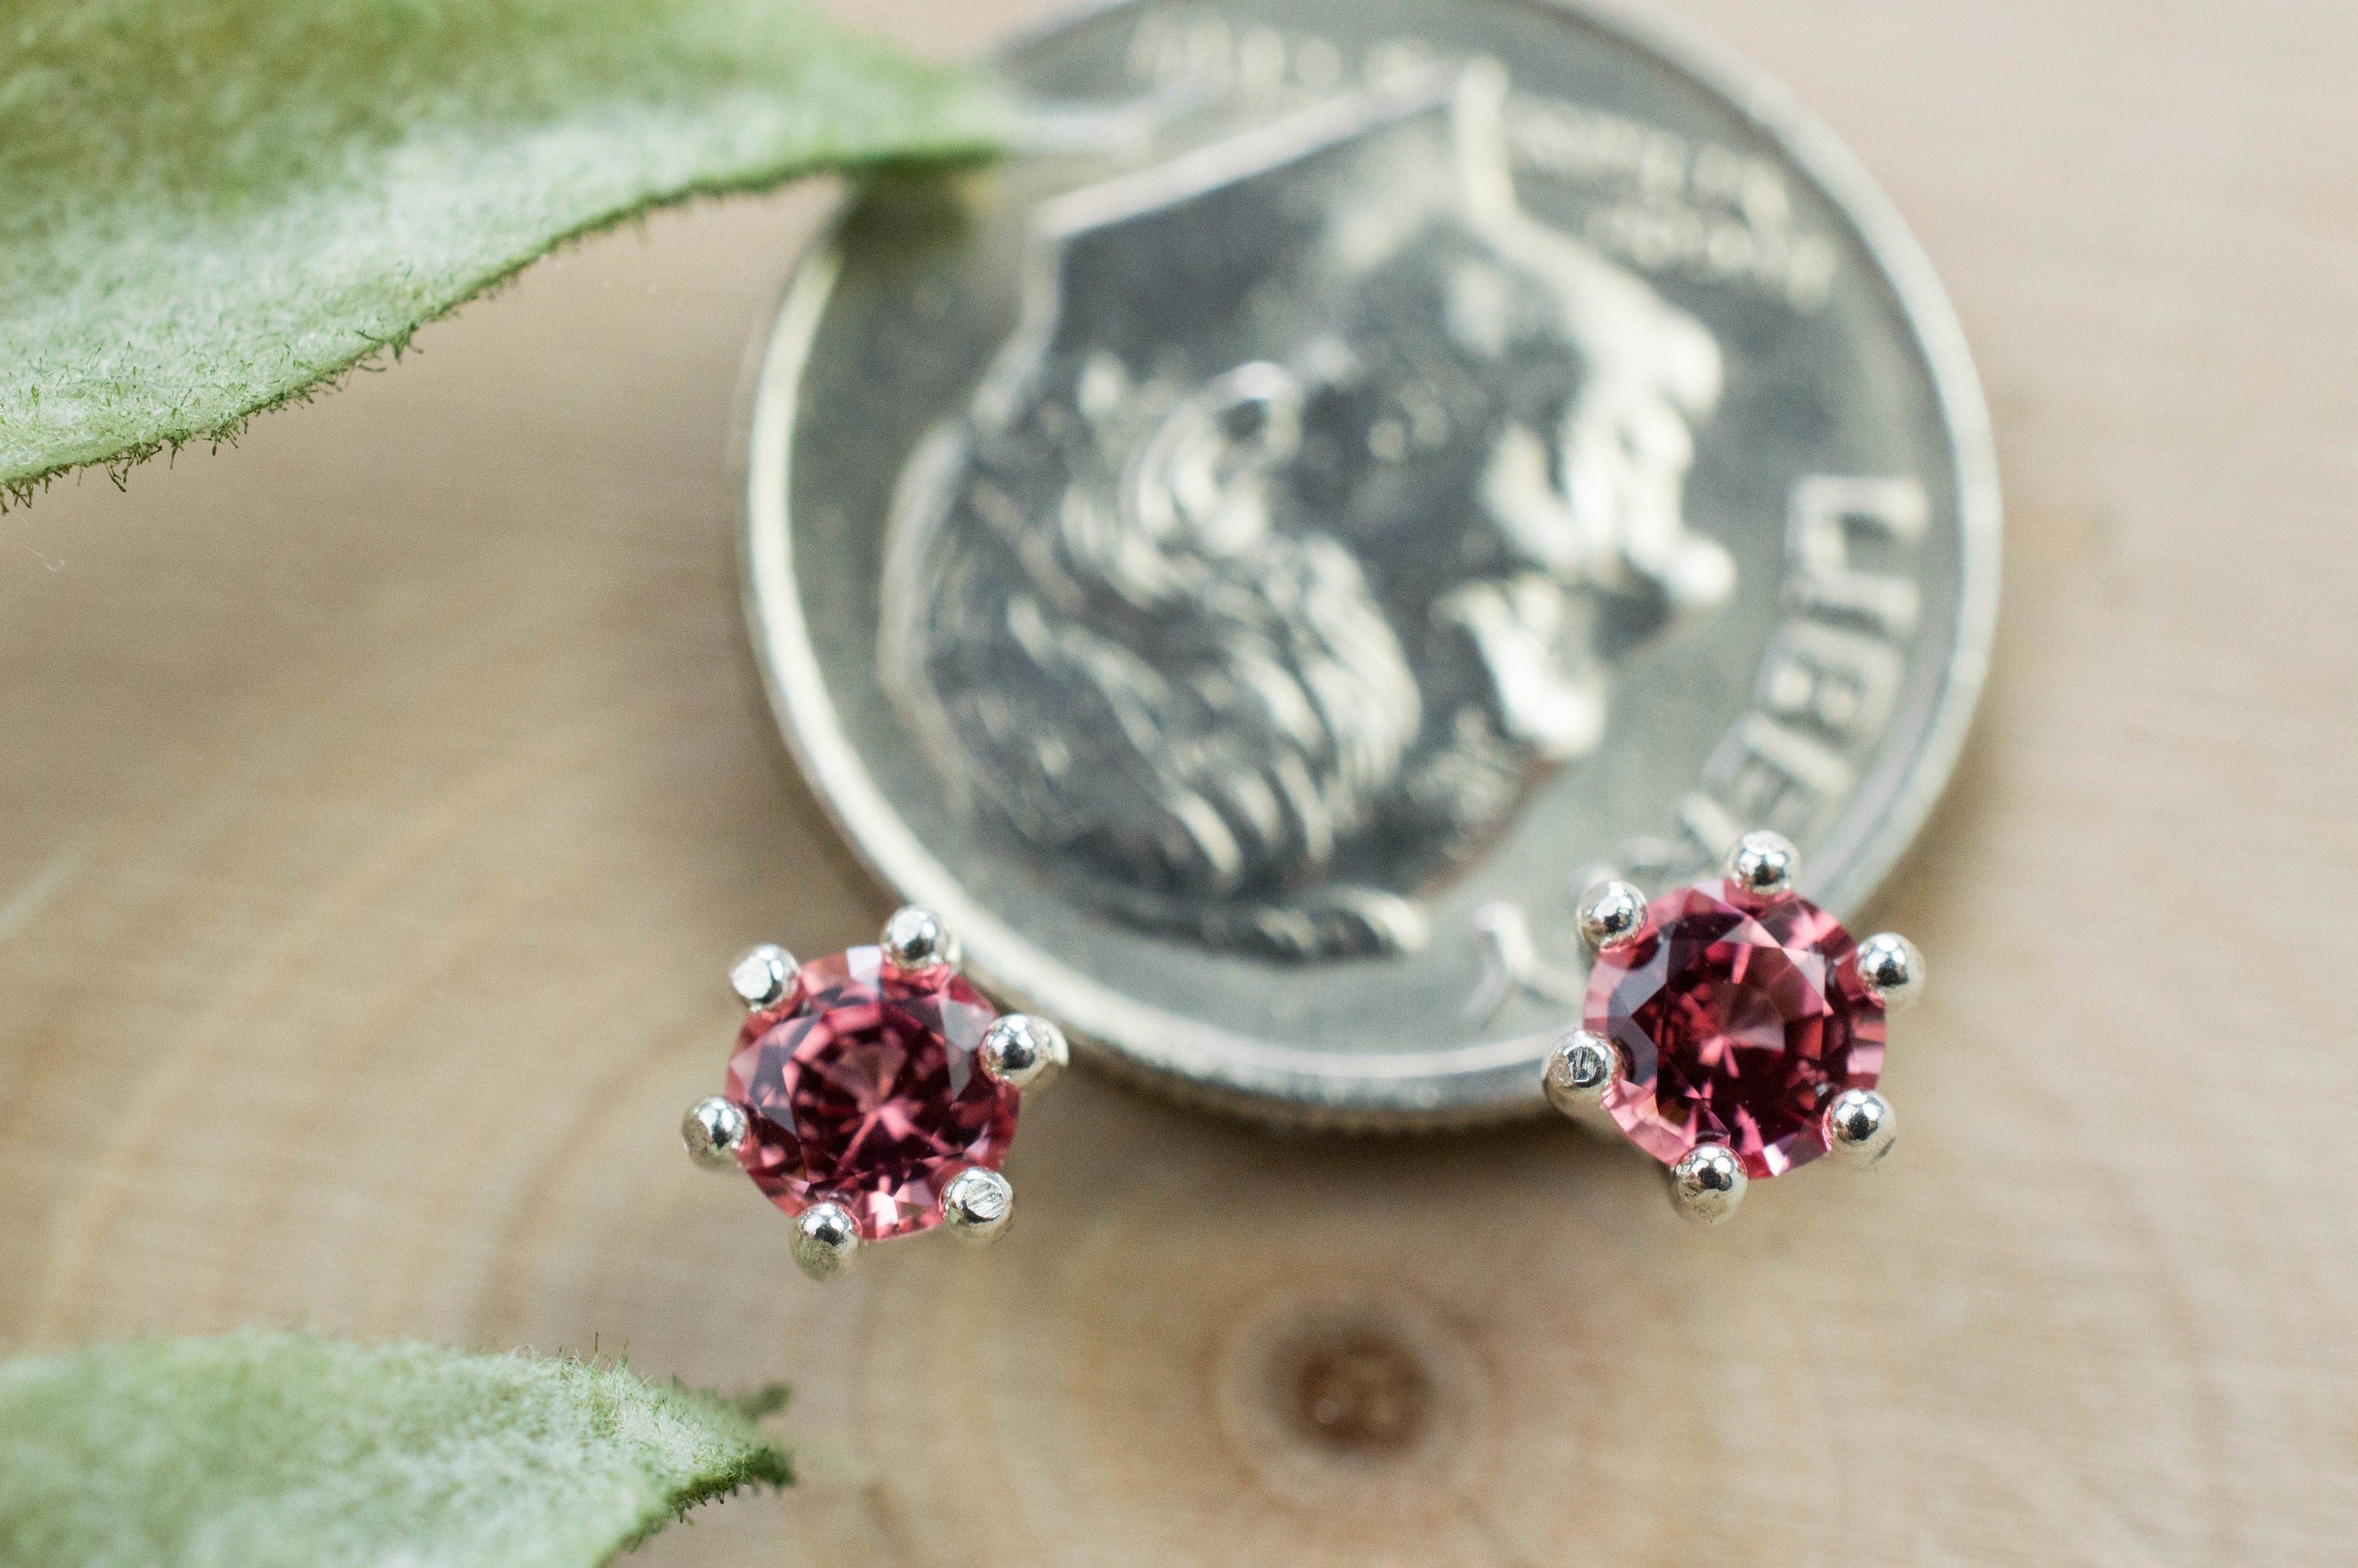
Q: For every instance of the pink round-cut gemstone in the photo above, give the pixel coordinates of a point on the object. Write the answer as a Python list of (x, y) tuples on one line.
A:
[(1739, 1020), (861, 1086)]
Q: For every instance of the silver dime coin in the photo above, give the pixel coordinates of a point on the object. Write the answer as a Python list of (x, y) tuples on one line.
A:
[(1250, 569)]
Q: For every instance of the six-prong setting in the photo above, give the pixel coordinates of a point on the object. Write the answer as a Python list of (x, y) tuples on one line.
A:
[(714, 1130), (978, 1206), (890, 1034), (1859, 1127), (1733, 1029), (826, 1238), (914, 941), (1022, 1051), (762, 975), (1612, 915), (1707, 1183), (1891, 967), (1580, 1068)]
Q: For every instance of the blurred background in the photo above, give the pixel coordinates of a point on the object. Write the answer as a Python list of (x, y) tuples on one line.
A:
[(381, 799)]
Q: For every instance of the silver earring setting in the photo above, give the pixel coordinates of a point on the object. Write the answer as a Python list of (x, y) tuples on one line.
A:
[(873, 1092), (1732, 1029)]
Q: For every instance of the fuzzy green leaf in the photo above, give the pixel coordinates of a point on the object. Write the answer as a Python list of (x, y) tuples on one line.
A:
[(210, 207), (286, 1451)]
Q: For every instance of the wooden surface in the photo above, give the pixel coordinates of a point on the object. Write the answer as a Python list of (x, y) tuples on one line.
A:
[(379, 801)]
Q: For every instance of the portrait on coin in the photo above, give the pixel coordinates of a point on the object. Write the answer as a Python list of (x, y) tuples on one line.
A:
[(1294, 533)]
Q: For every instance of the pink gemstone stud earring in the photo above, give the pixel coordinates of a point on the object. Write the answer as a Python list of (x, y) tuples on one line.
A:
[(1733, 1030), (873, 1092)]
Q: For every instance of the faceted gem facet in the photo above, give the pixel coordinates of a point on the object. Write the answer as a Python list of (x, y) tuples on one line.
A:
[(861, 1087), (1740, 1019)]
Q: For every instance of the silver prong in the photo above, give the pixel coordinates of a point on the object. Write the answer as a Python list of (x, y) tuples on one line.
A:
[(1612, 915), (977, 1205), (761, 974), (714, 1130), (1579, 1070), (916, 940), (1859, 1127), (1022, 1050), (825, 1240), (1892, 969), (1707, 1183), (1764, 864)]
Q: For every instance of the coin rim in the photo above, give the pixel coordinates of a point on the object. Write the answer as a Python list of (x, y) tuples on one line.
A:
[(1263, 1079)]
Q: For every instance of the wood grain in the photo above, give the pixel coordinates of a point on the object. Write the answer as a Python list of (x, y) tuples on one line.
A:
[(377, 800)]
